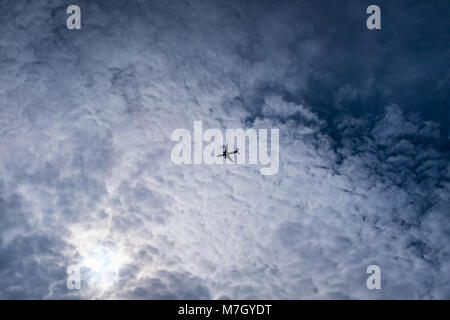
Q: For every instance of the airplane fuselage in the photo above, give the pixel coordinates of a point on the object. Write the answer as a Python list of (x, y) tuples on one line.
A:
[(224, 154)]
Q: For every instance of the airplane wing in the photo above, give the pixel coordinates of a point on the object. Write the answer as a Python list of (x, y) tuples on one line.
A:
[(228, 156)]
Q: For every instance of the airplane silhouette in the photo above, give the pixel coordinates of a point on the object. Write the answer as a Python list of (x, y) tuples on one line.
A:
[(226, 154)]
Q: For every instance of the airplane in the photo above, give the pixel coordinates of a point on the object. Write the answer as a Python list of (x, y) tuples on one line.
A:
[(226, 154)]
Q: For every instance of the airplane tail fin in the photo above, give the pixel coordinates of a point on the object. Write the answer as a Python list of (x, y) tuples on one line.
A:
[(237, 150)]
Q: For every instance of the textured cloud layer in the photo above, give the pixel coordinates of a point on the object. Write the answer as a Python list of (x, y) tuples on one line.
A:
[(85, 171)]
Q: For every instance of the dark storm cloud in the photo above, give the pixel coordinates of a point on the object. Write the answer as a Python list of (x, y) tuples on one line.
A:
[(351, 70), (85, 124)]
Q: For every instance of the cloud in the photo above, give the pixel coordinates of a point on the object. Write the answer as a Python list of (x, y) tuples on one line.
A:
[(86, 177)]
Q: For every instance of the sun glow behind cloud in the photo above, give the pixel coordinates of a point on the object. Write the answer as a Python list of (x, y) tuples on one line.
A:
[(99, 257)]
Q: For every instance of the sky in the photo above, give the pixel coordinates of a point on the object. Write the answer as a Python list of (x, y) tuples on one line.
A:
[(86, 176)]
